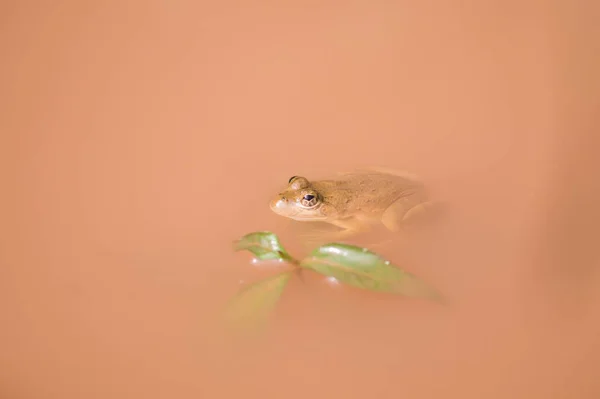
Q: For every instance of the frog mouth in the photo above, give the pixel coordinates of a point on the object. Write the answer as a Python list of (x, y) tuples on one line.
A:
[(304, 214), (292, 211), (310, 218)]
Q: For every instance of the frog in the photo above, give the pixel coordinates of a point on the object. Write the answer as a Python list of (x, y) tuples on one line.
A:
[(354, 201)]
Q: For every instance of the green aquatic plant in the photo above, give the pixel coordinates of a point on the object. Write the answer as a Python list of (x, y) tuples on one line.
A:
[(348, 264)]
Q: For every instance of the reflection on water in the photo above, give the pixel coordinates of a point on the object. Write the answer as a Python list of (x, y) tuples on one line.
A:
[(138, 142)]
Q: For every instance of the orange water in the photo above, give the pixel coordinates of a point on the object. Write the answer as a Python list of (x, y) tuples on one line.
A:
[(141, 138)]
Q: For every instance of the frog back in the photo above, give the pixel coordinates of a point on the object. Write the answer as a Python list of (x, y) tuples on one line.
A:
[(368, 192)]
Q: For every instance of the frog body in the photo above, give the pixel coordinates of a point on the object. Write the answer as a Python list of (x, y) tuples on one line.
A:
[(354, 201)]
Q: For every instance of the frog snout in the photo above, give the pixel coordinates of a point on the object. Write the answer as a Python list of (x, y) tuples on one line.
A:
[(277, 203)]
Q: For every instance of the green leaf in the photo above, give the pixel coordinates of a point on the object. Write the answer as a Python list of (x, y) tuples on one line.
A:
[(364, 269), (264, 245), (250, 307)]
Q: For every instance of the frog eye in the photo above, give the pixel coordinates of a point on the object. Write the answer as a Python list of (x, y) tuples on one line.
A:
[(309, 200), (298, 183)]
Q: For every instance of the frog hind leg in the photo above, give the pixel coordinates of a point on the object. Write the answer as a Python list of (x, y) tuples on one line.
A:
[(422, 209), (399, 214)]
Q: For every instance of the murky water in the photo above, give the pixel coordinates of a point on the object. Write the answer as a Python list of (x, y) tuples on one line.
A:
[(143, 138)]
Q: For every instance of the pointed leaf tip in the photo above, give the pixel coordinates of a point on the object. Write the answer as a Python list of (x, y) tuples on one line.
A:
[(264, 245), (364, 269)]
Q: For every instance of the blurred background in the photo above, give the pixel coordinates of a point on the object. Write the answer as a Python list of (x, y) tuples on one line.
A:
[(138, 139)]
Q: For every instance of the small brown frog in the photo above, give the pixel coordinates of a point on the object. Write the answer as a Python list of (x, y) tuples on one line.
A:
[(354, 201)]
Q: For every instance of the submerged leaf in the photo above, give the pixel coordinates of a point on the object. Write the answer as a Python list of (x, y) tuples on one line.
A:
[(264, 245), (364, 269), (251, 306)]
